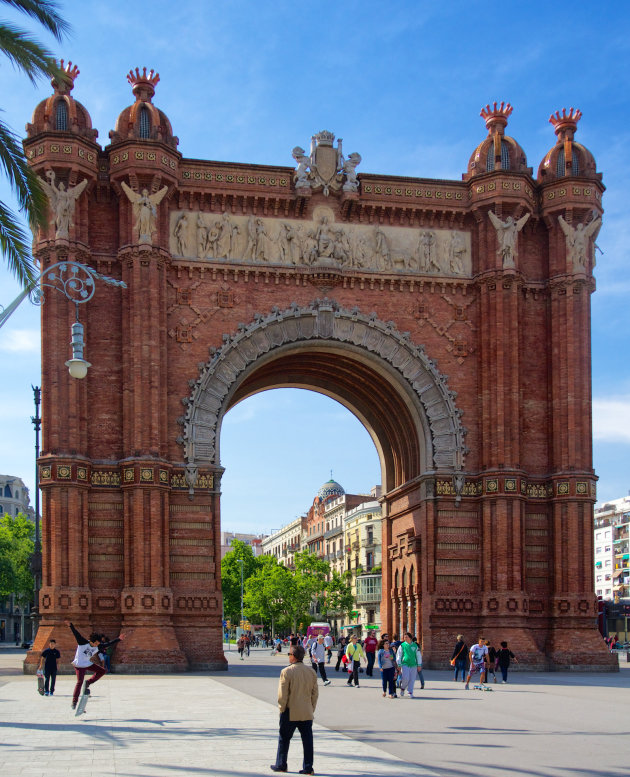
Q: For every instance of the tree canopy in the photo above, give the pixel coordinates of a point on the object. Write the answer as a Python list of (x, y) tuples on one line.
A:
[(16, 549)]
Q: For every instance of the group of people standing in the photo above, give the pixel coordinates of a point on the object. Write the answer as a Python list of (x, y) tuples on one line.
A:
[(483, 659)]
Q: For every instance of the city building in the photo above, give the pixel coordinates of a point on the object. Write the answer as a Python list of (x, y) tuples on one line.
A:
[(612, 550), (363, 546), (285, 543), (14, 497), (452, 317), (253, 540)]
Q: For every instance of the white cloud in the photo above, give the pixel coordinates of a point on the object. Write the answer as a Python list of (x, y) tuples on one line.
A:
[(611, 418), (20, 341)]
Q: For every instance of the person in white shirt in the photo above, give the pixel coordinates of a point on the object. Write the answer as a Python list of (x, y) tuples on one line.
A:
[(328, 644), (318, 658), (478, 660)]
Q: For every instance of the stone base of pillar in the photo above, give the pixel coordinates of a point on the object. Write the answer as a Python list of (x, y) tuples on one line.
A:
[(577, 648), (148, 648), (202, 643)]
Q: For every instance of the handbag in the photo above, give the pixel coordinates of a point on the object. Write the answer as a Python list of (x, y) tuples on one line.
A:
[(453, 660)]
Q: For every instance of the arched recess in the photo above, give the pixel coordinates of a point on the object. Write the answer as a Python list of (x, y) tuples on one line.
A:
[(388, 382)]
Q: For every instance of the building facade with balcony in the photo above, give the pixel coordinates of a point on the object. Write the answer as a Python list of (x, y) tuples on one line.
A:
[(612, 550), (253, 540), (363, 546), (14, 497)]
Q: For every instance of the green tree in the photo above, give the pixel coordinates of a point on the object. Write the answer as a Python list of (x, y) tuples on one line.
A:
[(231, 576), (16, 549), (338, 595), (35, 61), (269, 592)]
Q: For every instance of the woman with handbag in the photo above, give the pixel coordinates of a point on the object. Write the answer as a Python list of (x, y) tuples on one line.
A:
[(458, 659)]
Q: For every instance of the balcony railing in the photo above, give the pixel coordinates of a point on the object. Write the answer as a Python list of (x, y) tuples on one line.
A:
[(333, 532), (368, 598)]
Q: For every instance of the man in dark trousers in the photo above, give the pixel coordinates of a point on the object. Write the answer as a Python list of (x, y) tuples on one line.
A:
[(86, 660), (297, 699), (48, 662)]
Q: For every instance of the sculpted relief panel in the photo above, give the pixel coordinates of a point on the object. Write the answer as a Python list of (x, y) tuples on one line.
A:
[(378, 248)]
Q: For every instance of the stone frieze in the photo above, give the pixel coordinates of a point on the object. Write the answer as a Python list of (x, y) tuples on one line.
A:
[(377, 248)]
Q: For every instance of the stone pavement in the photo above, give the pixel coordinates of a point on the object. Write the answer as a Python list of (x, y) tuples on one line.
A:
[(197, 725)]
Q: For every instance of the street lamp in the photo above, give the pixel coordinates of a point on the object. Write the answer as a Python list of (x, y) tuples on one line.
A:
[(240, 561), (36, 562), (76, 282)]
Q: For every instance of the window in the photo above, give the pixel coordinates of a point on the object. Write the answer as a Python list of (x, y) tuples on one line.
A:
[(608, 563), (599, 579), (560, 166), (61, 115), (598, 550), (607, 549), (145, 123), (7, 492), (505, 157)]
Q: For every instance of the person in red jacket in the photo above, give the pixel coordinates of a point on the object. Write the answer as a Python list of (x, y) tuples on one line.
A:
[(369, 646)]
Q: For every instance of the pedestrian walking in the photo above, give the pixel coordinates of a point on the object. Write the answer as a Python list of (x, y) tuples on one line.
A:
[(478, 657), (409, 659), (370, 644), (386, 662), (354, 654), (328, 644), (341, 651), (503, 659), (240, 646), (48, 662), (459, 657), (492, 659), (297, 699), (318, 658)]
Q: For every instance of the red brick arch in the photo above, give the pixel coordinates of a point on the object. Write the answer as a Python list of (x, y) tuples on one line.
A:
[(378, 373)]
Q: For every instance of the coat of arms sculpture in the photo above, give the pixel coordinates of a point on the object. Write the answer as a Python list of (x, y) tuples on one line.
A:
[(326, 166)]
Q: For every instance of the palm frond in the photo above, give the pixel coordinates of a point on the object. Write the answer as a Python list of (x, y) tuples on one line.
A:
[(15, 245), (22, 178), (46, 13), (26, 53)]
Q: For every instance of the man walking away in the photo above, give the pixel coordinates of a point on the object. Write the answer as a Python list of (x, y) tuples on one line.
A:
[(503, 657), (318, 658), (297, 699), (369, 645), (48, 660), (328, 644), (409, 659), (341, 651), (492, 659)]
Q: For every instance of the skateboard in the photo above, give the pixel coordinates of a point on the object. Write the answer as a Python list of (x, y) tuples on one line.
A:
[(83, 700), (482, 688), (40, 684)]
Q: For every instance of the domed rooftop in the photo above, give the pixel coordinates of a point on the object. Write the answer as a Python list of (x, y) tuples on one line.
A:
[(567, 157), (330, 489), (498, 151), (61, 112), (142, 120)]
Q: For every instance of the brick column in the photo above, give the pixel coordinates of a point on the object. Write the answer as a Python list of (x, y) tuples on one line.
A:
[(146, 599)]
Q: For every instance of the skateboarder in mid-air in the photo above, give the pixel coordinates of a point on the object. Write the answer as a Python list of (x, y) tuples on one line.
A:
[(86, 660)]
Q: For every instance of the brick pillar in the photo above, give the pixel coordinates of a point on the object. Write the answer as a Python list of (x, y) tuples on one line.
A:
[(573, 635), (146, 599), (63, 462)]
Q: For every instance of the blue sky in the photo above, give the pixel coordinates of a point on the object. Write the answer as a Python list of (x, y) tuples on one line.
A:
[(403, 84)]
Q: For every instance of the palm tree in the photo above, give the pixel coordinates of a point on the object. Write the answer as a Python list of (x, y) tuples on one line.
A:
[(34, 60)]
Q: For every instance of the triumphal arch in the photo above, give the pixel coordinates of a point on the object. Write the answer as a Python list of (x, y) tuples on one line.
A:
[(451, 317)]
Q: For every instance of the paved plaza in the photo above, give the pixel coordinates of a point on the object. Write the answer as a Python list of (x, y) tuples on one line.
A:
[(225, 724)]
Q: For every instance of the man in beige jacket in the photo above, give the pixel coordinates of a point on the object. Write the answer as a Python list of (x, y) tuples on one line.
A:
[(297, 699)]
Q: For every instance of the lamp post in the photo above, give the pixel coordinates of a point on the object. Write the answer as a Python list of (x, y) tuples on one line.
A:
[(77, 283), (36, 561), (241, 562)]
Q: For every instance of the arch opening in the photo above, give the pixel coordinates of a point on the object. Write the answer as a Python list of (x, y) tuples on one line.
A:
[(385, 380)]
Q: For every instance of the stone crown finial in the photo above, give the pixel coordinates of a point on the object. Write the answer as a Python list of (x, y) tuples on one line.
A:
[(565, 122), (71, 71), (143, 84), (496, 117)]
